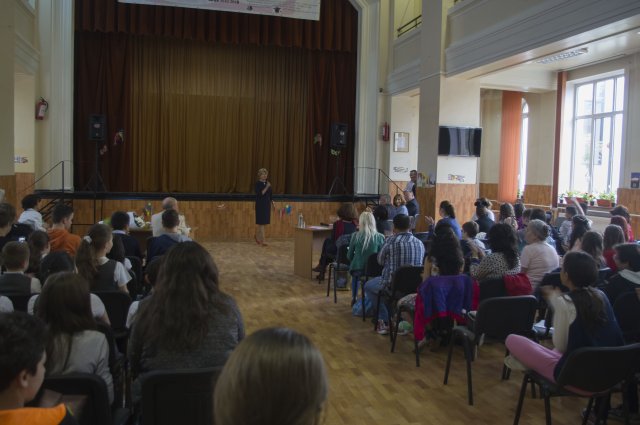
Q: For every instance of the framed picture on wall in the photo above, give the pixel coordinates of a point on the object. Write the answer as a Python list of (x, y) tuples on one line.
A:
[(400, 142)]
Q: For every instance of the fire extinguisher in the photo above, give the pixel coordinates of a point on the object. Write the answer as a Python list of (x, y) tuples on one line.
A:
[(41, 108), (384, 132)]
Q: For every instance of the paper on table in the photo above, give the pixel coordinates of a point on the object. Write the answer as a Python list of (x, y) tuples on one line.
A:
[(318, 227)]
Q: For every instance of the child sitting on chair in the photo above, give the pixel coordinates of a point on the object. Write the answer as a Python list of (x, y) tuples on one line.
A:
[(22, 357)]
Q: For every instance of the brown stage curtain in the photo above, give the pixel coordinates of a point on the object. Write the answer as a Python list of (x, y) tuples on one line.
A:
[(205, 119)]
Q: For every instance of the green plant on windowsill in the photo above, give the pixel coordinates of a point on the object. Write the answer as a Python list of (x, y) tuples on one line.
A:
[(589, 197), (608, 196)]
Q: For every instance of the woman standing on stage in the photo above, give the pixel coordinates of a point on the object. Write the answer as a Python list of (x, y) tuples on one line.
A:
[(263, 205)]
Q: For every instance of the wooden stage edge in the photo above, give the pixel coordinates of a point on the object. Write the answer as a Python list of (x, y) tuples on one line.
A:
[(215, 217)]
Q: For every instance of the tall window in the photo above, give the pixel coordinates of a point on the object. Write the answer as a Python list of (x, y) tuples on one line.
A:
[(524, 137), (597, 135)]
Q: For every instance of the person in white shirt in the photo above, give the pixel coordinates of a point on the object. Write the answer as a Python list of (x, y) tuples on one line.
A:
[(538, 257), (31, 216), (156, 219), (411, 184)]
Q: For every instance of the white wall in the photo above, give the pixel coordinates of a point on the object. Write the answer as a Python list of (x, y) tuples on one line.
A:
[(24, 122), (405, 11), (404, 118), (541, 142)]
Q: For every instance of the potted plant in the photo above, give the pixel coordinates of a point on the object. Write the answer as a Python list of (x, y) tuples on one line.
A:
[(606, 199), (590, 198), (573, 194), (561, 197)]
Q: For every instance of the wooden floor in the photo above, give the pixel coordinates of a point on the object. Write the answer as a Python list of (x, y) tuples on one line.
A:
[(368, 383)]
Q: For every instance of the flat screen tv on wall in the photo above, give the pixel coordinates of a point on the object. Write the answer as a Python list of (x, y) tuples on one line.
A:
[(459, 141)]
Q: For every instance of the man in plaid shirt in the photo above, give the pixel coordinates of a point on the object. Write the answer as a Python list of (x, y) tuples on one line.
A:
[(401, 249)]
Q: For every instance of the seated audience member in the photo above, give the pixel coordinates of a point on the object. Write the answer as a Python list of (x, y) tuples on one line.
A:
[(15, 258), (385, 201), (189, 322), (621, 210), (470, 230), (565, 228), (628, 277), (579, 226), (484, 222), (592, 245), (59, 236), (413, 208), (538, 258), (92, 262), (345, 225), (582, 318), (445, 254), (619, 220), (22, 360), (506, 211), (401, 249), (150, 278), (10, 230), (120, 226), (447, 215), (39, 247), (30, 216), (398, 204), (484, 202), (364, 243), (274, 376), (511, 221), (382, 220), (518, 210), (157, 226), (171, 235), (57, 262), (504, 258), (527, 216), (73, 345), (613, 235), (6, 305)]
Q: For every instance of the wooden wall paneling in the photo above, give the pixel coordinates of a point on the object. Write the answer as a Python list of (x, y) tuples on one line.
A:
[(8, 183), (426, 197), (24, 185), (489, 191), (394, 185), (462, 196), (630, 198), (538, 195)]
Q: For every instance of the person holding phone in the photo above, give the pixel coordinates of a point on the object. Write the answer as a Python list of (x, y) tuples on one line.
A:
[(263, 205)]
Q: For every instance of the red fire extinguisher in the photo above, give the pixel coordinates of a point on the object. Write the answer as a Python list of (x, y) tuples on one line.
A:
[(41, 108), (384, 132)]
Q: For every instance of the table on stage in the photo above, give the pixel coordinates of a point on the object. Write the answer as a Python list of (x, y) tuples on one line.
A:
[(306, 241)]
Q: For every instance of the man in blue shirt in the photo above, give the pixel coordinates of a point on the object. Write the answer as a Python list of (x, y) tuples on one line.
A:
[(401, 249)]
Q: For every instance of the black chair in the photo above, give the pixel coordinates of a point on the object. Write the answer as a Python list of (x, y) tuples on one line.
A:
[(492, 288), (627, 311), (371, 269), (117, 305), (339, 264), (592, 372), (96, 409), (20, 301), (496, 318), (179, 396), (117, 362), (404, 281), (137, 284)]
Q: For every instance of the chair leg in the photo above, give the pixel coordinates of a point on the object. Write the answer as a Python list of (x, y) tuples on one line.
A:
[(417, 351), (523, 391), (448, 367), (533, 390), (364, 313), (375, 322), (547, 406), (506, 372), (335, 287), (329, 279), (587, 412), (468, 354), (394, 332)]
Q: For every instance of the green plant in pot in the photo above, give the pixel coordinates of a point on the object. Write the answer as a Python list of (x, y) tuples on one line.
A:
[(606, 199)]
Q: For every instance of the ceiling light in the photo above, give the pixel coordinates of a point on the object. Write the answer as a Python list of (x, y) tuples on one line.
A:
[(563, 56)]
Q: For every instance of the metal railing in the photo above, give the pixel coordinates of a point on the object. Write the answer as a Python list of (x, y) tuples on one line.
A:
[(414, 23), (49, 171), (372, 181)]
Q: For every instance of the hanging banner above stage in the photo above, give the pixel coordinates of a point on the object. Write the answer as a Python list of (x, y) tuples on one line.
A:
[(299, 9)]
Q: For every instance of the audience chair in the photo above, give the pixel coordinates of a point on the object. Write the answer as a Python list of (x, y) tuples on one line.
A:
[(339, 264), (492, 288), (404, 281), (96, 409), (20, 301), (172, 397), (371, 269), (627, 311), (136, 286), (117, 363), (117, 304), (592, 372), (496, 318)]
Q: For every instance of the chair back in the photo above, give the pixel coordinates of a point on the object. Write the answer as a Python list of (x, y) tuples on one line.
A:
[(179, 396), (491, 288), (341, 256), (553, 279), (20, 301), (501, 316), (405, 280), (136, 268), (598, 369), (373, 268), (343, 240), (627, 311), (96, 409), (117, 305)]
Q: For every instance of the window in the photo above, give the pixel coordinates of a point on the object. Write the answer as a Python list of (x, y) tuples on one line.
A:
[(524, 137), (597, 135)]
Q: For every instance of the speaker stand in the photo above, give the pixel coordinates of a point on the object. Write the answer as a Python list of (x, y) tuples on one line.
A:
[(96, 183), (337, 180)]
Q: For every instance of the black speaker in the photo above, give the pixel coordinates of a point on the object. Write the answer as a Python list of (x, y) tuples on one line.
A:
[(97, 127), (339, 135)]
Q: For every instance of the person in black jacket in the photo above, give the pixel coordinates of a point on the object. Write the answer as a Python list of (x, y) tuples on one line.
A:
[(120, 226), (627, 259)]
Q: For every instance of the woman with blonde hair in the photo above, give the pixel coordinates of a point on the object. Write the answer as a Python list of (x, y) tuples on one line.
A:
[(363, 244), (274, 376), (263, 205)]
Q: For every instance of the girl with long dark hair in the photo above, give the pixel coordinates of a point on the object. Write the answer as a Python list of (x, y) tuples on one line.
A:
[(447, 215), (504, 258)]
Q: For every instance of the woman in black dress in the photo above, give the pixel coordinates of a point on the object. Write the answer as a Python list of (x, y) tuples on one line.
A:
[(263, 205)]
